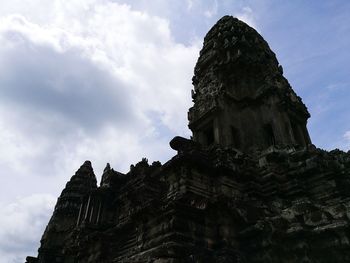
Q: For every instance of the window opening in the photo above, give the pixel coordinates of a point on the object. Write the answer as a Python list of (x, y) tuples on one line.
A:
[(297, 134), (235, 137), (209, 135), (269, 134)]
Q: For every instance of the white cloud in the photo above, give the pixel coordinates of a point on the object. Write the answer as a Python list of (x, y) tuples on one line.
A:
[(344, 142), (334, 87), (247, 15), (84, 80), (96, 66), (189, 4), (22, 224), (212, 11)]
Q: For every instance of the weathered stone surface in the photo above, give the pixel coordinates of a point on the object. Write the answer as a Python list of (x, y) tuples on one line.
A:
[(59, 231), (250, 186), (241, 98)]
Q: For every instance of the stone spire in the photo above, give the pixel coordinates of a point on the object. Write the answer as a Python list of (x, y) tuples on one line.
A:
[(241, 98), (66, 212), (81, 183)]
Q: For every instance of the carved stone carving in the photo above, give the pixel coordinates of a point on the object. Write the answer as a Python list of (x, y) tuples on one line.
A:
[(250, 187)]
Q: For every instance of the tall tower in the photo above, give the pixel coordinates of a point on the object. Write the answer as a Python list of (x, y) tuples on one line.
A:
[(64, 219), (213, 204), (241, 98)]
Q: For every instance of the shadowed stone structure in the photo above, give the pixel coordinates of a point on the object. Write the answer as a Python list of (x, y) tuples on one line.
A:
[(249, 187), (241, 98)]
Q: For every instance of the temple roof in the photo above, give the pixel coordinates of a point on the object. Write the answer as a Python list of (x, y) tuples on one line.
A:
[(236, 60)]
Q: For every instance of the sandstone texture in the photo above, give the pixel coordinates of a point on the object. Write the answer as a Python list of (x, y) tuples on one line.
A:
[(248, 187)]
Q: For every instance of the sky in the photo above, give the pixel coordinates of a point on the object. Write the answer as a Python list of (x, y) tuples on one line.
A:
[(110, 81)]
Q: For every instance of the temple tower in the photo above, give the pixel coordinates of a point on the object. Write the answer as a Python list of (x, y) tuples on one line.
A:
[(64, 218), (241, 98), (215, 204)]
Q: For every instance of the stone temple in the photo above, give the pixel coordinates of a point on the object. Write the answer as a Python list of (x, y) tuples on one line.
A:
[(249, 186)]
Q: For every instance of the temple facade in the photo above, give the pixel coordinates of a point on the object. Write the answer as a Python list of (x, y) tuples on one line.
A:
[(248, 187)]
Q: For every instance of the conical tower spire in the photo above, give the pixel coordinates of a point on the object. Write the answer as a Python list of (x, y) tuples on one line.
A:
[(83, 181), (241, 98), (64, 218)]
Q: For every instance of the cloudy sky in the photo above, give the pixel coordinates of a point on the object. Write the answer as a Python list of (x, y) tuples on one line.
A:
[(110, 81)]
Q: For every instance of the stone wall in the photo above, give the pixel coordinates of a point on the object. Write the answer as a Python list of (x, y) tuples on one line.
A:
[(250, 187)]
